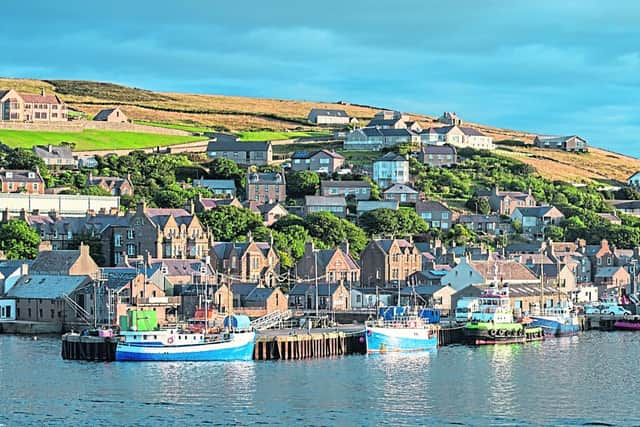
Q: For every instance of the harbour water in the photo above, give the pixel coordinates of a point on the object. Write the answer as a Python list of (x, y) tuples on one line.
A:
[(590, 379)]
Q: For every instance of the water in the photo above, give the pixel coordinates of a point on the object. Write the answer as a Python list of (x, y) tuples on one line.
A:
[(584, 380)]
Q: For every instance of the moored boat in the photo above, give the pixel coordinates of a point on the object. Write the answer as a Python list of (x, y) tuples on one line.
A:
[(493, 322), (557, 321), (236, 342), (400, 332)]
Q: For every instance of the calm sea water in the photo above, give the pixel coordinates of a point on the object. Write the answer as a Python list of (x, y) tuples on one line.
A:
[(592, 379)]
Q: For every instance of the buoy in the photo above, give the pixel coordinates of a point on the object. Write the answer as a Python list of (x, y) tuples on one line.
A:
[(35, 338)]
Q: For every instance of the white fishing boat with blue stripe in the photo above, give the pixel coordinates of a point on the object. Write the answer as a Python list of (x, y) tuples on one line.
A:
[(236, 342), (400, 332)]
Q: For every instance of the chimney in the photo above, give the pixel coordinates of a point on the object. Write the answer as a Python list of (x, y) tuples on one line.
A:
[(141, 207), (50, 148), (345, 246), (2, 256), (53, 214), (45, 246), (5, 215), (308, 247), (84, 250), (23, 214), (271, 239), (42, 92), (24, 269)]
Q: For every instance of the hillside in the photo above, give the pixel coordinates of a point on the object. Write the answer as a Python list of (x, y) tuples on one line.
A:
[(242, 114)]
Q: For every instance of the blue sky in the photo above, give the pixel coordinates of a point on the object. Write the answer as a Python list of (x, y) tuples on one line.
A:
[(559, 67)]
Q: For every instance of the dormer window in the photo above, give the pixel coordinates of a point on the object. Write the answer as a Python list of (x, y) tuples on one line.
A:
[(9, 174), (32, 175)]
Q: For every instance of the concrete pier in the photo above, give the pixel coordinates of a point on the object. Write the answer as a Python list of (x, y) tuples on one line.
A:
[(89, 348), (285, 345)]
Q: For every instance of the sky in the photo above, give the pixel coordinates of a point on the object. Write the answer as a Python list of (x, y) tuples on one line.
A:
[(555, 67)]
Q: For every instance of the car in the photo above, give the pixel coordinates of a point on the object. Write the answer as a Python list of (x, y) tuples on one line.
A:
[(592, 309), (286, 165), (614, 310)]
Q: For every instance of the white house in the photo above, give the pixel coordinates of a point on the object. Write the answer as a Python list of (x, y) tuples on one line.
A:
[(462, 275), (325, 116), (391, 169), (458, 136)]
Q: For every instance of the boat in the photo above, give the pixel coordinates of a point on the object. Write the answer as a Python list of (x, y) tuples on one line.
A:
[(559, 321), (398, 330), (493, 322), (236, 342)]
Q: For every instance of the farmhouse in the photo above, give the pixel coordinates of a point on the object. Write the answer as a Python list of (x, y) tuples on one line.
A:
[(112, 115), (566, 143), (323, 116), (23, 107)]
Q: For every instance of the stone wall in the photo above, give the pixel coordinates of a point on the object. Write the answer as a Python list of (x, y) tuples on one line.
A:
[(80, 125)]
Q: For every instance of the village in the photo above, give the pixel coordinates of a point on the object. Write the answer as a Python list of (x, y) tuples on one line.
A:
[(96, 258)]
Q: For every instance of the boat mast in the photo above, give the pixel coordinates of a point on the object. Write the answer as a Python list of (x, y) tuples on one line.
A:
[(206, 302), (541, 286)]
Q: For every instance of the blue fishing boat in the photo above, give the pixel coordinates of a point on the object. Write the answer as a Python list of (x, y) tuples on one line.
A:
[(396, 330), (559, 321), (236, 342)]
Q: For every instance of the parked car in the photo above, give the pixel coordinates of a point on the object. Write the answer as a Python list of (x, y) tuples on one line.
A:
[(614, 310)]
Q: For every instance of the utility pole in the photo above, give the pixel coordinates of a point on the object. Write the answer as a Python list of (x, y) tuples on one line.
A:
[(315, 260)]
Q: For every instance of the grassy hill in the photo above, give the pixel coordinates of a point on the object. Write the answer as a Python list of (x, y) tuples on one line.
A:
[(256, 118)]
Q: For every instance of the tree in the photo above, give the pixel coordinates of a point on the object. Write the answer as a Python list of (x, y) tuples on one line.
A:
[(459, 234), (228, 223), (18, 240), (388, 222), (554, 233), (329, 231), (94, 190), (302, 183), (479, 205), (222, 168)]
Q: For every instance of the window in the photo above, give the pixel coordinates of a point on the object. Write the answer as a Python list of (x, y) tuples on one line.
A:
[(426, 215), (324, 161), (35, 186), (131, 249), (445, 215), (117, 240), (131, 234)]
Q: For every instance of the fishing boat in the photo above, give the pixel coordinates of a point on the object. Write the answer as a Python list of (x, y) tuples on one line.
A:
[(559, 321), (397, 330), (235, 342), (493, 322)]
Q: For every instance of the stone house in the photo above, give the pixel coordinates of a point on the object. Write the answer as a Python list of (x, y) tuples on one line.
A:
[(436, 214), (331, 297), (360, 190), (243, 153), (377, 138), (450, 118), (611, 278), (627, 207), (389, 262), (393, 120), (402, 193), (111, 115), (270, 212), (534, 220), (26, 107), (326, 116), (391, 169), (266, 187), (321, 161), (21, 181), (505, 202), (438, 156), (262, 301), (158, 232), (601, 255), (370, 298), (334, 205), (489, 224), (255, 262), (115, 185), (60, 156), (572, 143), (492, 271), (225, 187), (334, 265)]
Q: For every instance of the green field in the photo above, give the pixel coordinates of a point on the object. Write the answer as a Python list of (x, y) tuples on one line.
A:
[(186, 128), (275, 136), (89, 140)]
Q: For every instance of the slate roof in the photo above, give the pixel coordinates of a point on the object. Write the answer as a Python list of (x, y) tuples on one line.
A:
[(345, 184), (223, 249), (54, 262), (57, 151), (325, 255), (118, 277), (605, 272), (479, 219), (91, 224), (471, 131), (369, 205), (259, 295), (328, 112), (229, 145), (214, 203), (421, 290), (242, 289), (535, 211), (42, 286), (438, 149), (265, 178), (391, 157), (431, 206), (103, 115), (385, 244), (301, 155), (227, 184), (221, 137), (400, 189), (441, 130), (325, 201), (7, 268), (324, 290), (19, 175)]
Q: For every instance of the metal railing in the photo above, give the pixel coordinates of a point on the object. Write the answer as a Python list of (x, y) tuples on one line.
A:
[(271, 320)]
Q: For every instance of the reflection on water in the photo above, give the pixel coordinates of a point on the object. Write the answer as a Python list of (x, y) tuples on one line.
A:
[(556, 382)]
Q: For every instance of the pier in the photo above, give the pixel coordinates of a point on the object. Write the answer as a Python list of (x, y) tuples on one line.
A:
[(89, 348), (274, 345)]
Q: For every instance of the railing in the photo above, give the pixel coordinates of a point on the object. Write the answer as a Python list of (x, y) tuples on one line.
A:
[(80, 312), (270, 320), (156, 301)]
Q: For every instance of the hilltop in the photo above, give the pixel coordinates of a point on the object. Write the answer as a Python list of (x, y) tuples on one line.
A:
[(280, 118)]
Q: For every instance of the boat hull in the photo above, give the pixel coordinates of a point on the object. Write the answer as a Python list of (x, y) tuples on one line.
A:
[(554, 327), (489, 334), (240, 347), (384, 340), (627, 325)]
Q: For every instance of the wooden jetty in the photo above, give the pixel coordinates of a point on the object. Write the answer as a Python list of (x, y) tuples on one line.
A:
[(310, 345), (89, 348)]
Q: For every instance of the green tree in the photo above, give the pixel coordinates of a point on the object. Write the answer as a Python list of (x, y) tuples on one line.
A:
[(18, 240), (228, 223), (554, 233), (302, 183), (479, 205), (222, 168), (94, 190), (329, 231), (388, 222)]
